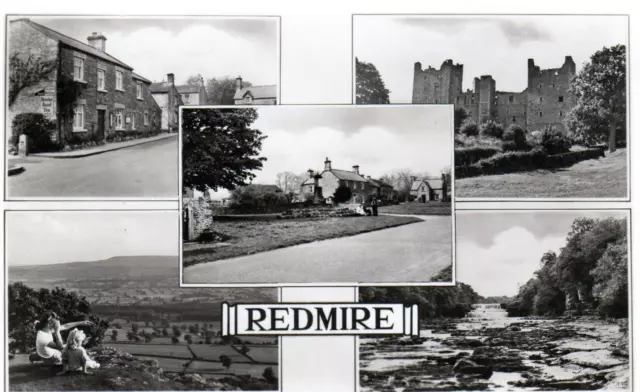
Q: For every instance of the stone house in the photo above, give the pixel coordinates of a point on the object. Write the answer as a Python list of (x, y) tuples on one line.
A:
[(324, 184), (169, 100), (193, 95), (545, 101), (255, 95), (424, 190), (88, 93)]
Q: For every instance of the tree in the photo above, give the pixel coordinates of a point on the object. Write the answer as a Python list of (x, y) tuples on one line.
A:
[(131, 336), (459, 115), (289, 182), (601, 94), (27, 73), (226, 361), (175, 340), (135, 328), (176, 331), (147, 337), (114, 335), (220, 91), (269, 375), (195, 80), (342, 194), (188, 338), (165, 332), (370, 88), (220, 149)]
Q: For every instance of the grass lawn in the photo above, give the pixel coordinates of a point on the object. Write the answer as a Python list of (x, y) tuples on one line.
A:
[(593, 178), (249, 237), (415, 208)]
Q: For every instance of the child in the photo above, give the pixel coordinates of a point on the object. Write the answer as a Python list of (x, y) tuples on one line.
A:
[(74, 356)]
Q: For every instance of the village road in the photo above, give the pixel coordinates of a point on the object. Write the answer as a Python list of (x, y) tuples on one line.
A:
[(148, 170), (412, 253)]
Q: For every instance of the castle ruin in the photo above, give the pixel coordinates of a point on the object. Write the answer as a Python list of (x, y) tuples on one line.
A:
[(545, 101)]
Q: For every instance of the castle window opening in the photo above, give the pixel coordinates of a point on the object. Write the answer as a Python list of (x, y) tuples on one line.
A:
[(539, 85), (561, 99), (560, 114), (540, 99), (510, 98), (540, 114), (513, 119)]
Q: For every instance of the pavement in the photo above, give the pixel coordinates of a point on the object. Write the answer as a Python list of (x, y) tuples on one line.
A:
[(412, 253), (142, 170), (85, 152)]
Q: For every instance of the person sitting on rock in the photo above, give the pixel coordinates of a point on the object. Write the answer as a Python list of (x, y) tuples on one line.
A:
[(74, 356), (48, 340)]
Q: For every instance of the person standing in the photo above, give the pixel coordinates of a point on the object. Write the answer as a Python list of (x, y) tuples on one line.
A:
[(374, 206)]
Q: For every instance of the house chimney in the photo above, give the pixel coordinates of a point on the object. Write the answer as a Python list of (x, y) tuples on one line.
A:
[(413, 178), (310, 173), (327, 164), (98, 41), (239, 83), (356, 169), (170, 78), (369, 178)]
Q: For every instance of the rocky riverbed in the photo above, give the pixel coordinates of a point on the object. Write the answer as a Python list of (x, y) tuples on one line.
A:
[(500, 353)]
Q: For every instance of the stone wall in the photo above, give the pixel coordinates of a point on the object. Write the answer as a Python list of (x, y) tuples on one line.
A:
[(199, 215), (437, 86)]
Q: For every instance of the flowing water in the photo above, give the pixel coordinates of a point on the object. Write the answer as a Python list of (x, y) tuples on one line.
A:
[(524, 354)]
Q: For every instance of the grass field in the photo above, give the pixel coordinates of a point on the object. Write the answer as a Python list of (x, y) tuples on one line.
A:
[(415, 208), (593, 178), (259, 236), (173, 350)]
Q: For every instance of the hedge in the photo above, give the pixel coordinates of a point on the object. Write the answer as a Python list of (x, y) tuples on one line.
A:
[(469, 155), (517, 161)]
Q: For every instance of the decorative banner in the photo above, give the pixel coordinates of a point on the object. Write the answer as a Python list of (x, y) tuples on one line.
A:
[(319, 319)]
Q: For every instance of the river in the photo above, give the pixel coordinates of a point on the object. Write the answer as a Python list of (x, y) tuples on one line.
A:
[(511, 354)]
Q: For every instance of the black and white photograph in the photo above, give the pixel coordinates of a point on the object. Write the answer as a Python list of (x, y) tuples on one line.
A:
[(97, 305), (92, 104), (540, 100), (320, 193), (541, 302)]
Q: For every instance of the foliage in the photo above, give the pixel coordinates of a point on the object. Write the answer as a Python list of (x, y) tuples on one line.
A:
[(175, 340), (601, 93), (459, 117), (269, 374), (610, 278), (219, 148), (26, 305), (290, 182), (254, 197), (554, 141), (27, 73), (370, 88), (492, 129), (226, 361), (37, 128), (515, 134), (469, 128), (469, 155), (342, 194), (220, 91)]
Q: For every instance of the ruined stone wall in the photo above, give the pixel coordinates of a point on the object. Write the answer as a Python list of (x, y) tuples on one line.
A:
[(437, 86), (485, 89), (511, 108)]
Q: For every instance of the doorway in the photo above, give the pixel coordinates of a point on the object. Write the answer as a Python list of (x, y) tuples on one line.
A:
[(101, 123)]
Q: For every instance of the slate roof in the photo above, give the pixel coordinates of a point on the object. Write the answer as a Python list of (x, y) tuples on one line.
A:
[(347, 175), (72, 42), (136, 76), (257, 92), (431, 183), (187, 88), (160, 87), (379, 184)]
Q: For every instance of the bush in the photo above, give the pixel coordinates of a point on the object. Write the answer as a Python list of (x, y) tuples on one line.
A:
[(26, 305), (492, 129), (513, 146), (469, 155), (269, 375), (515, 134), (554, 141), (342, 194), (37, 128), (469, 128)]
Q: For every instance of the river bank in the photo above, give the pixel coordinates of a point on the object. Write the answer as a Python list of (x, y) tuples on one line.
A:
[(488, 351)]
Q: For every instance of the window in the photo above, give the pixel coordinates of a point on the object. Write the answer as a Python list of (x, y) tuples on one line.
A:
[(78, 118), (247, 98), (457, 100), (510, 98), (362, 185), (186, 96), (560, 114), (119, 81), (353, 184), (540, 114), (540, 99), (78, 69), (513, 119), (120, 119), (133, 121), (146, 118), (473, 99), (139, 90), (539, 85), (561, 99), (101, 84), (110, 120)]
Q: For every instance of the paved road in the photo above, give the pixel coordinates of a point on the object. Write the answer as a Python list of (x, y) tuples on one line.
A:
[(147, 170), (410, 253)]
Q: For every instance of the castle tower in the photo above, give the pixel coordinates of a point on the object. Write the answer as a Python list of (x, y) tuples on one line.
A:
[(437, 86), (485, 88)]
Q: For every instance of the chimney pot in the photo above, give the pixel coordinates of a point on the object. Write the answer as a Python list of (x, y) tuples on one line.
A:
[(327, 164), (239, 84), (98, 41), (170, 78), (356, 169)]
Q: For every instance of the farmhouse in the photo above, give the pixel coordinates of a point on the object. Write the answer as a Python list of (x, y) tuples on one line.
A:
[(193, 94), (167, 95), (323, 185), (423, 190), (81, 88), (255, 95)]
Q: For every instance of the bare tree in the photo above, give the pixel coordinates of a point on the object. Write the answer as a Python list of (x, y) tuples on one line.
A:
[(289, 182)]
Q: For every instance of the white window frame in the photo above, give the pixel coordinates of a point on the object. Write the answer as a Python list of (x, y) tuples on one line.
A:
[(248, 98), (146, 117), (120, 86), (78, 60), (139, 90), (103, 87), (119, 114), (133, 121), (79, 109)]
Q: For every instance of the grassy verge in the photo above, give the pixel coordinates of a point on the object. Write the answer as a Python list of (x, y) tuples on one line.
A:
[(260, 236), (414, 208), (594, 178)]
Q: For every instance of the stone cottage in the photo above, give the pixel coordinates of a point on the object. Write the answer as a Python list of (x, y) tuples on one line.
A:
[(85, 91), (193, 94), (255, 95), (424, 190), (324, 184), (169, 100)]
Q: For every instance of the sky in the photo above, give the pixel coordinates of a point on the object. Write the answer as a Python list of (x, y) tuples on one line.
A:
[(50, 237), (496, 251), (212, 47), (485, 45), (380, 139)]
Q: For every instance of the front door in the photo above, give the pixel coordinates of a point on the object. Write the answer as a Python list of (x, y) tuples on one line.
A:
[(101, 123)]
